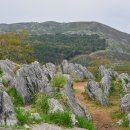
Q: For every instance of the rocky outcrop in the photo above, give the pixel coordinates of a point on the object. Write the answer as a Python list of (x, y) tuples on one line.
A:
[(76, 108), (49, 69), (55, 106), (124, 80), (7, 113), (125, 103), (95, 92), (9, 69), (46, 126), (103, 71), (30, 79), (106, 84), (77, 71)]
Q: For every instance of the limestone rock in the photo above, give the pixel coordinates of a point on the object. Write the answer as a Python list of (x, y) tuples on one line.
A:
[(49, 69), (46, 126), (95, 92), (7, 113), (76, 108), (31, 79), (9, 69), (103, 71), (125, 103), (77, 71), (106, 83), (55, 106)]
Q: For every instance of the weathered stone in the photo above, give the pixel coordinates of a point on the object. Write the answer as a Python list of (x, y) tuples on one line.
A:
[(35, 116), (95, 92), (76, 108), (55, 106), (9, 69), (106, 83), (103, 71), (125, 103), (31, 79), (77, 71), (7, 113), (49, 69), (124, 79), (46, 126), (120, 122), (74, 120)]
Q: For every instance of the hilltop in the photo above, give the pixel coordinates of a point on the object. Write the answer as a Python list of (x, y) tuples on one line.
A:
[(109, 44)]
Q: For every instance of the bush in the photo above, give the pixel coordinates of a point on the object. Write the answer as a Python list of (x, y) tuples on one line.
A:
[(62, 119), (41, 103), (58, 80), (16, 98), (22, 116), (83, 123), (1, 73)]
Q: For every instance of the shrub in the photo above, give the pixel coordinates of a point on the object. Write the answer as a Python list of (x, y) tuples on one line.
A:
[(83, 123), (41, 103), (1, 73), (16, 98), (62, 119), (5, 82), (58, 80), (22, 116)]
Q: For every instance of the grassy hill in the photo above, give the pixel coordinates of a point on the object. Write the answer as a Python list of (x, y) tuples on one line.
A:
[(54, 41)]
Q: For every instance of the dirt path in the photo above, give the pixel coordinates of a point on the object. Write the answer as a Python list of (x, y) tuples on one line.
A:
[(100, 115)]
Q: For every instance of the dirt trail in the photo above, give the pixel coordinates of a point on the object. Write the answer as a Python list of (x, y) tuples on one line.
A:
[(100, 115)]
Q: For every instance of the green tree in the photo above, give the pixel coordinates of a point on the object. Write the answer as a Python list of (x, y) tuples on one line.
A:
[(12, 47)]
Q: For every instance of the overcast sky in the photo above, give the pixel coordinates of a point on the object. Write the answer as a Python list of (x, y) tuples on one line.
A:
[(115, 13)]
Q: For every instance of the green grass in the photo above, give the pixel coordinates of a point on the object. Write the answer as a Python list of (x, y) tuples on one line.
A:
[(123, 68), (1, 73), (58, 80), (41, 103), (84, 123), (61, 119), (16, 98), (22, 116)]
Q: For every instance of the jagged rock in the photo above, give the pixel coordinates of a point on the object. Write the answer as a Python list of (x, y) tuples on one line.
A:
[(120, 122), (49, 69), (95, 92), (125, 103), (9, 69), (55, 106), (2, 88), (106, 83), (46, 126), (103, 71), (35, 116), (31, 79), (7, 113), (124, 78), (74, 120), (77, 71), (76, 108)]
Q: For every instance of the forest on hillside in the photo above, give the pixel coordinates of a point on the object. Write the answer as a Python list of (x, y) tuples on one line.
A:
[(55, 48)]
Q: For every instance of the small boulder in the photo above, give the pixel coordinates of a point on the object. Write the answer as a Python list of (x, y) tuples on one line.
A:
[(125, 103), (7, 113), (95, 92), (106, 84), (55, 106)]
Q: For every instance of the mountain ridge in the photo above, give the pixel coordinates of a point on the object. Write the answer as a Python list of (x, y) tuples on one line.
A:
[(118, 42)]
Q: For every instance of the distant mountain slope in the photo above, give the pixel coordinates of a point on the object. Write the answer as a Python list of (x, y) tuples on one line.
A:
[(118, 42)]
